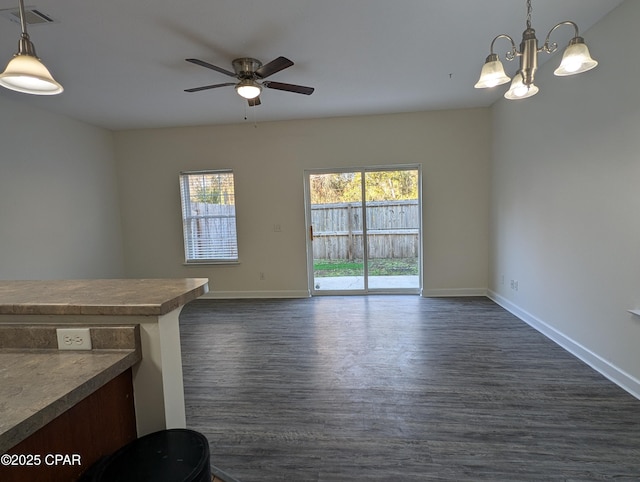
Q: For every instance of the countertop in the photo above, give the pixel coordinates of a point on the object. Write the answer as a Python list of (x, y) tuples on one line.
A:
[(38, 384), (120, 297)]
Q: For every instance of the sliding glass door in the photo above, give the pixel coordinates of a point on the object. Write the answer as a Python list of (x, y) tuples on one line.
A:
[(336, 243), (364, 230)]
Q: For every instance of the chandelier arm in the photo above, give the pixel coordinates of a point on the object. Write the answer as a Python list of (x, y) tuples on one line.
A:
[(552, 47), (511, 54)]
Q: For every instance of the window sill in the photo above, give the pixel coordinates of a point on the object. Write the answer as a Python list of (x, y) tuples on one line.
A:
[(211, 263)]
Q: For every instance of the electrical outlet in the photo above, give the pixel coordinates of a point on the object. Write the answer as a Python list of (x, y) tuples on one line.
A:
[(73, 338)]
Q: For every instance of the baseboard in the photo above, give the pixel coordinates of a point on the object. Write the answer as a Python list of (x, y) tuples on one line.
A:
[(441, 293), (624, 380), (436, 293), (213, 294)]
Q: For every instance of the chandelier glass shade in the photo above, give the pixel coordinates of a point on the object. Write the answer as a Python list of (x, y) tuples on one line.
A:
[(519, 90), (25, 72), (492, 74), (575, 60)]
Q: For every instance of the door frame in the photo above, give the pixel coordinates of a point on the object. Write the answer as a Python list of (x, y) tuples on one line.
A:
[(309, 245)]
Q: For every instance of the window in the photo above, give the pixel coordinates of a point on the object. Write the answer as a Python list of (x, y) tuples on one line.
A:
[(209, 216)]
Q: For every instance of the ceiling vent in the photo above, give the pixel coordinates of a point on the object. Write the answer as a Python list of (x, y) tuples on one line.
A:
[(33, 16)]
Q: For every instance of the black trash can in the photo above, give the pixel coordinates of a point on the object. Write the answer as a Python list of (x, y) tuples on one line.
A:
[(174, 455)]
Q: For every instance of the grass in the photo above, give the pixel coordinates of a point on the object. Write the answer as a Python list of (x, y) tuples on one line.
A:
[(331, 268)]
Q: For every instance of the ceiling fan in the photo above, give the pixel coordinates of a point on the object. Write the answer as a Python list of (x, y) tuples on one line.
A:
[(249, 71)]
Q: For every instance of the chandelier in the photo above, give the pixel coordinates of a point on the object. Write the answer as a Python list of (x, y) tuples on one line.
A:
[(575, 60)]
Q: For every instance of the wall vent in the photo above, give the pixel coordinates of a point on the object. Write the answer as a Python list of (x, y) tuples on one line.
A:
[(32, 15)]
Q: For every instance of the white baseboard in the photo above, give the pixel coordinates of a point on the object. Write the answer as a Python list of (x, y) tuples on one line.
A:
[(438, 293), (255, 294), (624, 380), (306, 294)]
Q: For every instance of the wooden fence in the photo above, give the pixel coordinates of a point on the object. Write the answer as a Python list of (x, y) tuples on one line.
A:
[(392, 229), (210, 231)]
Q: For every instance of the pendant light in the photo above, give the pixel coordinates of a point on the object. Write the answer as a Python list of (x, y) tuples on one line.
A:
[(575, 60), (25, 72)]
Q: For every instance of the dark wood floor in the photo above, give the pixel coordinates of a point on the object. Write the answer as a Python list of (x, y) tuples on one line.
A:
[(397, 388)]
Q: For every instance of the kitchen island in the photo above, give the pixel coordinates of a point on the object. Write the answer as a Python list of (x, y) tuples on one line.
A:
[(153, 305)]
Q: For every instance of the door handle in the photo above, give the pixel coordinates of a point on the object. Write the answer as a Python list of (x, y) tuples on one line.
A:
[(311, 233)]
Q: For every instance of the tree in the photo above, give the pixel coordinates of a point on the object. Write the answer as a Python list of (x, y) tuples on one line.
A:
[(380, 186), (334, 187), (391, 185)]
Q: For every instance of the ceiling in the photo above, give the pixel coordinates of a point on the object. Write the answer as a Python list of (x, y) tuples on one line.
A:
[(122, 64)]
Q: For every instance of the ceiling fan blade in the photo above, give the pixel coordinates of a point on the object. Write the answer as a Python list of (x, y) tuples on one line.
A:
[(274, 66), (253, 102), (298, 89), (206, 87), (202, 63)]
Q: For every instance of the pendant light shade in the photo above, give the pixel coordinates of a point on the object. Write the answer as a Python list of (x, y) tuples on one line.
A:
[(492, 73), (28, 75), (25, 72), (576, 59)]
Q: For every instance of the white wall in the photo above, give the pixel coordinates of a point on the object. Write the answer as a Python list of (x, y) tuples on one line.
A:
[(59, 214), (566, 202), (269, 160)]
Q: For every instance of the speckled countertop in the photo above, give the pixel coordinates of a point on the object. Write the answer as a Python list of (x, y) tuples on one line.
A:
[(37, 385), (145, 297)]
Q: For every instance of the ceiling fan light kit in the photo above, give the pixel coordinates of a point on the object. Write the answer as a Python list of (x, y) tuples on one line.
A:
[(25, 72), (575, 60), (249, 72), (249, 89)]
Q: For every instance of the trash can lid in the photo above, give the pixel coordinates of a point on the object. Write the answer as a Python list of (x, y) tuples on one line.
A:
[(174, 455)]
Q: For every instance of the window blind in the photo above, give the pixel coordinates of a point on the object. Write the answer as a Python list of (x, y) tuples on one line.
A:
[(209, 216)]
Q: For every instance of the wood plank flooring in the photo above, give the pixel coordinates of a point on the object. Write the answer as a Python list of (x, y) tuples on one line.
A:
[(397, 388)]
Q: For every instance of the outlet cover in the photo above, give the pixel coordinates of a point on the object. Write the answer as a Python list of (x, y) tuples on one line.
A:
[(73, 338)]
